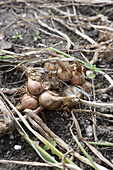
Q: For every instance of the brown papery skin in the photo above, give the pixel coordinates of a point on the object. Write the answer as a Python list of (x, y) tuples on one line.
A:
[(64, 75), (50, 67), (27, 102), (47, 100), (77, 78), (34, 87), (87, 87), (70, 91)]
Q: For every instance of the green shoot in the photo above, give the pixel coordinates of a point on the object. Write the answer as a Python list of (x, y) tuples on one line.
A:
[(93, 68), (102, 144), (49, 12), (37, 37), (85, 153), (17, 36), (4, 57), (47, 148)]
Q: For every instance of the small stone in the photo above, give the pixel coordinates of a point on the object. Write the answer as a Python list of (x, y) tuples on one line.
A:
[(89, 131), (103, 110), (104, 96), (88, 122), (24, 15), (1, 24), (10, 19), (100, 59), (17, 147), (88, 73), (22, 25), (95, 32), (11, 136), (10, 142)]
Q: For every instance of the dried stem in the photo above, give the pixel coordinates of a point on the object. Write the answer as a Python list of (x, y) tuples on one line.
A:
[(95, 104)]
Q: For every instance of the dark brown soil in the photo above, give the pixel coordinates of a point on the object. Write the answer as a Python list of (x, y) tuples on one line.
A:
[(58, 121)]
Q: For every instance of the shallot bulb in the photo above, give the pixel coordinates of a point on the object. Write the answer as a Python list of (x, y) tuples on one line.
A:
[(64, 73), (87, 87), (77, 78), (50, 100), (27, 102), (71, 91), (50, 66), (34, 87)]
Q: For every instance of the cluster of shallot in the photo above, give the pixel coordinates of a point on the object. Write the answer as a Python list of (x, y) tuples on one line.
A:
[(55, 84)]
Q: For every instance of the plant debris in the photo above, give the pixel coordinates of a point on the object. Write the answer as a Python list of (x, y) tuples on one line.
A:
[(56, 62)]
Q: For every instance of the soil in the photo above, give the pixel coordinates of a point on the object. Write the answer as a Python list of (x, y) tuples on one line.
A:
[(58, 121)]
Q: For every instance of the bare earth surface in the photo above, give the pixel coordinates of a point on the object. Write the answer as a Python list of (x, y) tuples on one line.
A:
[(22, 17)]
